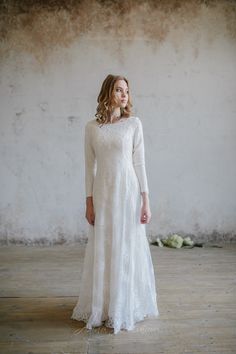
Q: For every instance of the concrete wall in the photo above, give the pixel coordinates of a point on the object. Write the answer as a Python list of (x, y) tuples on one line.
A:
[(180, 58)]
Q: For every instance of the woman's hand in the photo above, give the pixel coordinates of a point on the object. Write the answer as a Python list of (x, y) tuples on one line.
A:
[(145, 210), (90, 215), (145, 214)]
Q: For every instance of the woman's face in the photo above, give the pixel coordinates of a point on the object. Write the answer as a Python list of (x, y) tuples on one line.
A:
[(121, 93)]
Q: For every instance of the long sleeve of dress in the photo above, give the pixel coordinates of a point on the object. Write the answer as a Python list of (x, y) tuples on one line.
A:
[(90, 161), (139, 157)]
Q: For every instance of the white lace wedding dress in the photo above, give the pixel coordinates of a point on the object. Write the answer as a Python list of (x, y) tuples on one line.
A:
[(118, 285)]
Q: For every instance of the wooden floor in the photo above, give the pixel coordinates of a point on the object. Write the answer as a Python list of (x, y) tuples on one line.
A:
[(196, 299)]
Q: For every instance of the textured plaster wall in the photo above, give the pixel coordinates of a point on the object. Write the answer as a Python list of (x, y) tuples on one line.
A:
[(180, 58)]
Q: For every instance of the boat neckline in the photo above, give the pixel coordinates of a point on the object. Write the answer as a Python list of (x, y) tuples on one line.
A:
[(119, 121)]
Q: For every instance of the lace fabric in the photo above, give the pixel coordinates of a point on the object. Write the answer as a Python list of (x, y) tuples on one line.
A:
[(109, 322), (118, 285)]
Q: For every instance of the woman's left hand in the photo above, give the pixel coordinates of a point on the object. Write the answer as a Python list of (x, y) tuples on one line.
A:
[(145, 214)]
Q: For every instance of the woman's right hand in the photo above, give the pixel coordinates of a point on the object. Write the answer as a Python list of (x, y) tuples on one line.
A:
[(90, 215)]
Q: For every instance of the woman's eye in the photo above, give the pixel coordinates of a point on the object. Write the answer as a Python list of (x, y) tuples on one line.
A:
[(120, 90)]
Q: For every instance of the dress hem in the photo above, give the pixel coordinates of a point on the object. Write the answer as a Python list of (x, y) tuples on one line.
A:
[(109, 323)]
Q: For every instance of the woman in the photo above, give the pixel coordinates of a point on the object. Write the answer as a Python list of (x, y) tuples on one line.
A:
[(118, 283)]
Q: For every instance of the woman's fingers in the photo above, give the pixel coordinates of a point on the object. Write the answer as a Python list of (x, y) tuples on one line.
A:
[(145, 217), (90, 218)]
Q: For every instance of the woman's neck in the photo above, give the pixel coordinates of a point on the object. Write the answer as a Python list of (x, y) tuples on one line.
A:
[(116, 114)]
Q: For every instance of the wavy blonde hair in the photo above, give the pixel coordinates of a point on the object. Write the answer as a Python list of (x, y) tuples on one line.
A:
[(106, 99)]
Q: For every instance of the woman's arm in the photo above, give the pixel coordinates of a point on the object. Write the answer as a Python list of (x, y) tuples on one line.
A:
[(89, 173), (140, 169), (139, 157), (89, 161), (145, 197)]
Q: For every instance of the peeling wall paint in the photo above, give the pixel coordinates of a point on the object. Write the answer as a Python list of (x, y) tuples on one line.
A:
[(38, 27), (180, 59)]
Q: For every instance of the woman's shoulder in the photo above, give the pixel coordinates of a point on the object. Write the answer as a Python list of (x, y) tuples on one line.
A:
[(136, 121), (90, 123)]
